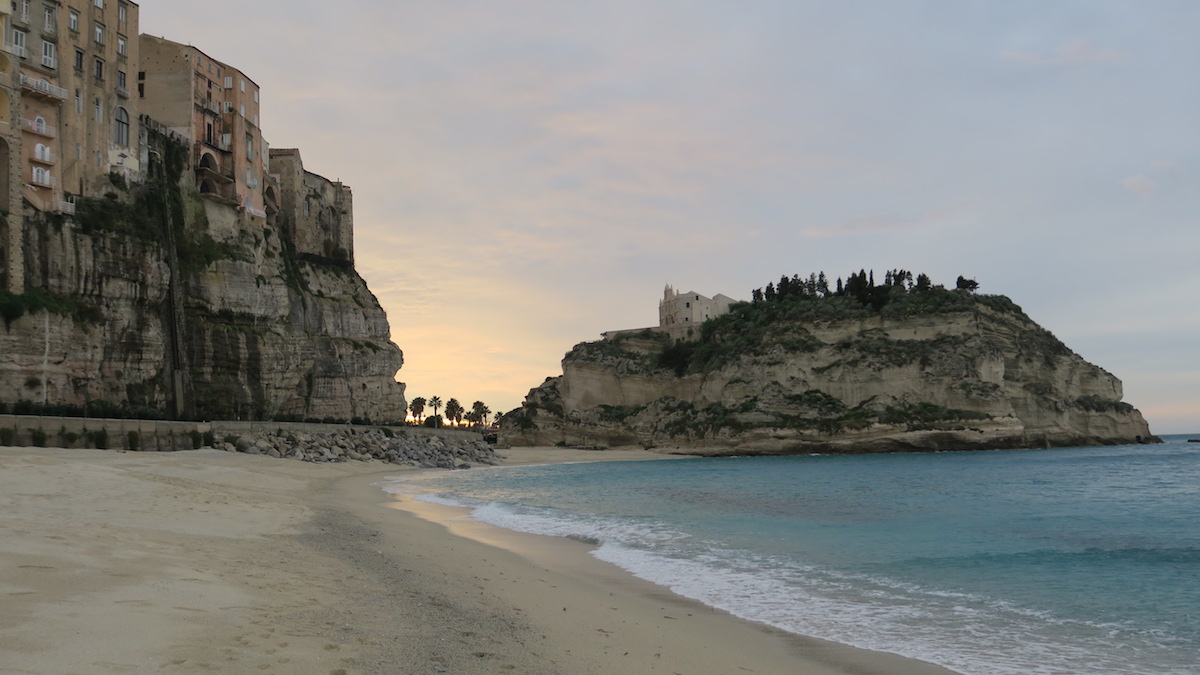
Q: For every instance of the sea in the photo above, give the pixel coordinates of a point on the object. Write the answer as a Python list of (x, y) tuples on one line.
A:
[(1060, 561)]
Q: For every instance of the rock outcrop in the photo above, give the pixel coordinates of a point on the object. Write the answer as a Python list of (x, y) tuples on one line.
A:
[(949, 370), (167, 302)]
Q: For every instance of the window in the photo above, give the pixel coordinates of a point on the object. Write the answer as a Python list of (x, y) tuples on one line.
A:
[(99, 107), (256, 96), (25, 11), (242, 110), (99, 33), (49, 54), (229, 83), (99, 70), (39, 124), (121, 127), (100, 3), (78, 102), (41, 176), (41, 152), (73, 21), (121, 79), (122, 12), (243, 86), (19, 43), (48, 22), (120, 45), (78, 59)]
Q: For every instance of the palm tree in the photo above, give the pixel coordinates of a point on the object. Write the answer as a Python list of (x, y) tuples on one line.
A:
[(417, 407), (454, 410), (481, 412), (435, 402)]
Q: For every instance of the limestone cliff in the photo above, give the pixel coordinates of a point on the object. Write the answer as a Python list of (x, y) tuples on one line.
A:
[(167, 302), (935, 370)]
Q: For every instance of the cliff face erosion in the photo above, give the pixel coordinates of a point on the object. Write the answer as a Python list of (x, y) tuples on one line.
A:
[(163, 301), (934, 369)]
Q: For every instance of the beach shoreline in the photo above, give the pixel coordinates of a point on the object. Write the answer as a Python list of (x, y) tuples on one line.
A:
[(205, 560)]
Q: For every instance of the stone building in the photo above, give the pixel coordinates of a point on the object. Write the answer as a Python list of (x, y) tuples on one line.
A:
[(690, 308), (215, 107), (317, 212)]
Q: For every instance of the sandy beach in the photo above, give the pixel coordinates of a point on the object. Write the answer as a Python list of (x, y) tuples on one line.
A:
[(206, 561)]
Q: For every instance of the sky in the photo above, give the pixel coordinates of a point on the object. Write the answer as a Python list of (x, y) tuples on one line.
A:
[(528, 174)]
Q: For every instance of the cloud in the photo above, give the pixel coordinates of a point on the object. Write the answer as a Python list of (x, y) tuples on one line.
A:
[(1140, 185), (882, 224), (1070, 53)]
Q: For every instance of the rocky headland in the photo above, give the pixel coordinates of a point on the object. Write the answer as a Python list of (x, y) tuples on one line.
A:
[(900, 366)]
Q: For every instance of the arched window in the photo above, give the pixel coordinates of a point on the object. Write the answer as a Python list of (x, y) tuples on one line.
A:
[(41, 152), (121, 127), (39, 124)]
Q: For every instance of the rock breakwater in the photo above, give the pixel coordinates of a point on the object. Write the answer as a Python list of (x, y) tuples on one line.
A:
[(411, 449)]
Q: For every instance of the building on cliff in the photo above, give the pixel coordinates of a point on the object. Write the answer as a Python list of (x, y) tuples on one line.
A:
[(69, 119), (318, 213), (78, 120), (690, 307), (680, 313), (215, 108)]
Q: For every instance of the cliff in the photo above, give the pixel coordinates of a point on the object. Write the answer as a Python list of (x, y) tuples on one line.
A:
[(161, 301), (934, 369)]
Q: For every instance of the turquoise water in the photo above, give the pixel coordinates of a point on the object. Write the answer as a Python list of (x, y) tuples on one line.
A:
[(1076, 560)]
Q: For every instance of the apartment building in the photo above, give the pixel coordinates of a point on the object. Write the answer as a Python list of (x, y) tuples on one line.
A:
[(11, 163), (96, 57), (216, 107), (78, 122)]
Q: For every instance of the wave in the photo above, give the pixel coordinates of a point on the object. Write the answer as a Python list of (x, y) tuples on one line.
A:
[(970, 633)]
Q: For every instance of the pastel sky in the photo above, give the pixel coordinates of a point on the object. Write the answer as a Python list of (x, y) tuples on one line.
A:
[(530, 173)]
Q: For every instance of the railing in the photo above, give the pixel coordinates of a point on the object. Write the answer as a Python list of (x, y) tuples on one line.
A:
[(43, 86), (50, 28), (49, 61), (40, 128), (122, 92), (44, 156), (209, 105), (65, 207), (44, 180)]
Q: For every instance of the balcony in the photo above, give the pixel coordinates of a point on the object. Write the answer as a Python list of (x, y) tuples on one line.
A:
[(21, 51), (42, 86), (39, 127), (209, 105), (49, 62), (122, 92), (65, 207), (50, 28), (43, 156), (42, 179)]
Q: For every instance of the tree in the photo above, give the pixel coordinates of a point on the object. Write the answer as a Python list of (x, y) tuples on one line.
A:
[(965, 284), (417, 407), (480, 412), (435, 402), (454, 410)]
